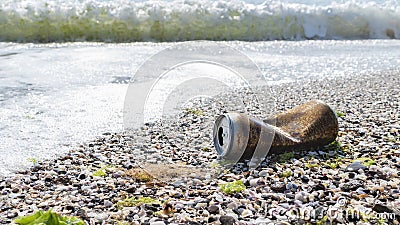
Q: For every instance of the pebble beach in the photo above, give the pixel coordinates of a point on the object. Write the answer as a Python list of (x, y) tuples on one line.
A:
[(167, 173)]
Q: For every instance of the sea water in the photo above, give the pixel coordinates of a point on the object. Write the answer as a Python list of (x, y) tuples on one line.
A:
[(62, 83), (180, 20)]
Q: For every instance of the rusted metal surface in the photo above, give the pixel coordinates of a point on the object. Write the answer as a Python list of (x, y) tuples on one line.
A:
[(307, 126)]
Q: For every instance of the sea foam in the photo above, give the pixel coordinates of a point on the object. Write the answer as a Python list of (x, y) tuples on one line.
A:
[(126, 21)]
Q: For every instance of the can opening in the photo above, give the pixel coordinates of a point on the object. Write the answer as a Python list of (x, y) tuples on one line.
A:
[(220, 136)]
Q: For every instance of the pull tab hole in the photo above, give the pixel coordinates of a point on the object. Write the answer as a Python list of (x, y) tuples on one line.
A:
[(220, 136)]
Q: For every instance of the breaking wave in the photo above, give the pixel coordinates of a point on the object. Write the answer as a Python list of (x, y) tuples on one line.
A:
[(127, 21)]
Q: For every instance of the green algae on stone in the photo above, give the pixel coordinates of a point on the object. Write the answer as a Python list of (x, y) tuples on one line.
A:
[(33, 160), (129, 202), (102, 172), (140, 175), (365, 161), (287, 173), (197, 112), (286, 157), (340, 114), (311, 165), (323, 220), (232, 187), (205, 149), (334, 163), (335, 145)]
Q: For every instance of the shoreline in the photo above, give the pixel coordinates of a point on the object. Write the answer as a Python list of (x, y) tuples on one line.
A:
[(185, 177)]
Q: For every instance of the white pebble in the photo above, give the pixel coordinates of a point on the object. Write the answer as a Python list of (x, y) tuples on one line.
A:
[(254, 182), (157, 223), (263, 173), (247, 213), (108, 204), (301, 196), (200, 205), (232, 205)]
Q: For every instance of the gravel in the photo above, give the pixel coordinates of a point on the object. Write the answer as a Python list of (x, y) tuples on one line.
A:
[(105, 180)]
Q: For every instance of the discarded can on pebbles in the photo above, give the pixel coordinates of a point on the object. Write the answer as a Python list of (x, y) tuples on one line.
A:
[(308, 126)]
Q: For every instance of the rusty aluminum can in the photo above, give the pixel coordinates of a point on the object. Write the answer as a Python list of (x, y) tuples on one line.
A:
[(308, 126)]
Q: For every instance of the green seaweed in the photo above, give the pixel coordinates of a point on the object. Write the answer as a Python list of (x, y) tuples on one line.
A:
[(144, 177), (29, 117), (323, 220), (129, 202), (381, 221), (214, 164), (205, 149), (287, 173), (366, 161), (33, 160), (102, 172), (393, 139), (338, 147), (232, 187), (345, 149), (197, 112), (335, 145), (220, 163), (312, 165), (340, 114), (122, 222), (48, 218), (140, 175), (283, 158), (334, 163)]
